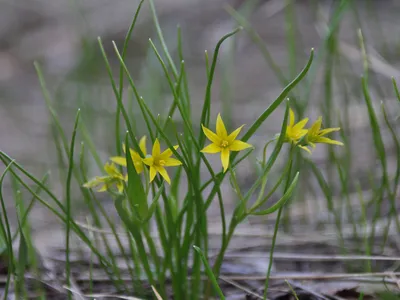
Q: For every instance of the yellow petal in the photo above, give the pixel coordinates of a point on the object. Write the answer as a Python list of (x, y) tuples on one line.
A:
[(103, 188), (305, 148), (225, 158), (328, 130), (137, 162), (239, 145), (300, 124), (142, 145), (221, 130), (302, 133), (119, 160), (148, 161), (211, 135), (153, 173), (167, 153), (93, 183), (172, 162), (234, 134), (314, 129), (326, 140), (111, 169), (212, 148), (164, 174), (139, 167), (120, 186), (291, 117), (156, 148), (124, 148)]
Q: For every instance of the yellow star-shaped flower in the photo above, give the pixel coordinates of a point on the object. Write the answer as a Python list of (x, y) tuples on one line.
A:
[(136, 158), (222, 142), (315, 135), (294, 132), (158, 161), (113, 177)]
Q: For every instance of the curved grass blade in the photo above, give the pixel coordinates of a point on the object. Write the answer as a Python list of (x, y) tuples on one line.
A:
[(68, 202), (135, 191), (278, 100), (205, 115), (153, 204), (210, 273), (21, 264), (121, 76), (6, 232), (281, 202)]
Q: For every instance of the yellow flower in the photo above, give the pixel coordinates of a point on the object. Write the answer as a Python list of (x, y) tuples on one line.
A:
[(113, 177), (294, 132), (136, 158), (158, 161), (315, 135), (222, 142)]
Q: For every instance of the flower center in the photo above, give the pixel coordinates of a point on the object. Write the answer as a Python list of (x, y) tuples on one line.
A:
[(161, 162), (224, 144)]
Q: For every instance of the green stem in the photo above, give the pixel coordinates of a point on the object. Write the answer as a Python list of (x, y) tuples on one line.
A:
[(278, 217)]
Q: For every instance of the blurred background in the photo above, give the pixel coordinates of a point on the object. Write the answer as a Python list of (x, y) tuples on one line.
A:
[(61, 35)]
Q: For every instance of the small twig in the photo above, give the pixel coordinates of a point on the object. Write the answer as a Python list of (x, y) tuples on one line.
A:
[(240, 287), (312, 257), (308, 290)]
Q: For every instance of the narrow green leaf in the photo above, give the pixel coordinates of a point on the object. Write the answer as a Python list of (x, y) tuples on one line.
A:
[(274, 155), (135, 192), (6, 160), (153, 204), (121, 76), (396, 89), (376, 133), (68, 202), (124, 215), (210, 273), (323, 184), (133, 226), (396, 144), (6, 232), (278, 100), (205, 115), (281, 202), (162, 40), (22, 262)]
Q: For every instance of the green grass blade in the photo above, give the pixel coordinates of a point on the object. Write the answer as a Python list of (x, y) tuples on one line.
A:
[(119, 98), (274, 154), (281, 202), (6, 160), (205, 115), (21, 264), (134, 229), (258, 41), (121, 76), (278, 100), (47, 99), (396, 89), (68, 203), (6, 232), (162, 40), (154, 203), (135, 192), (210, 273)]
